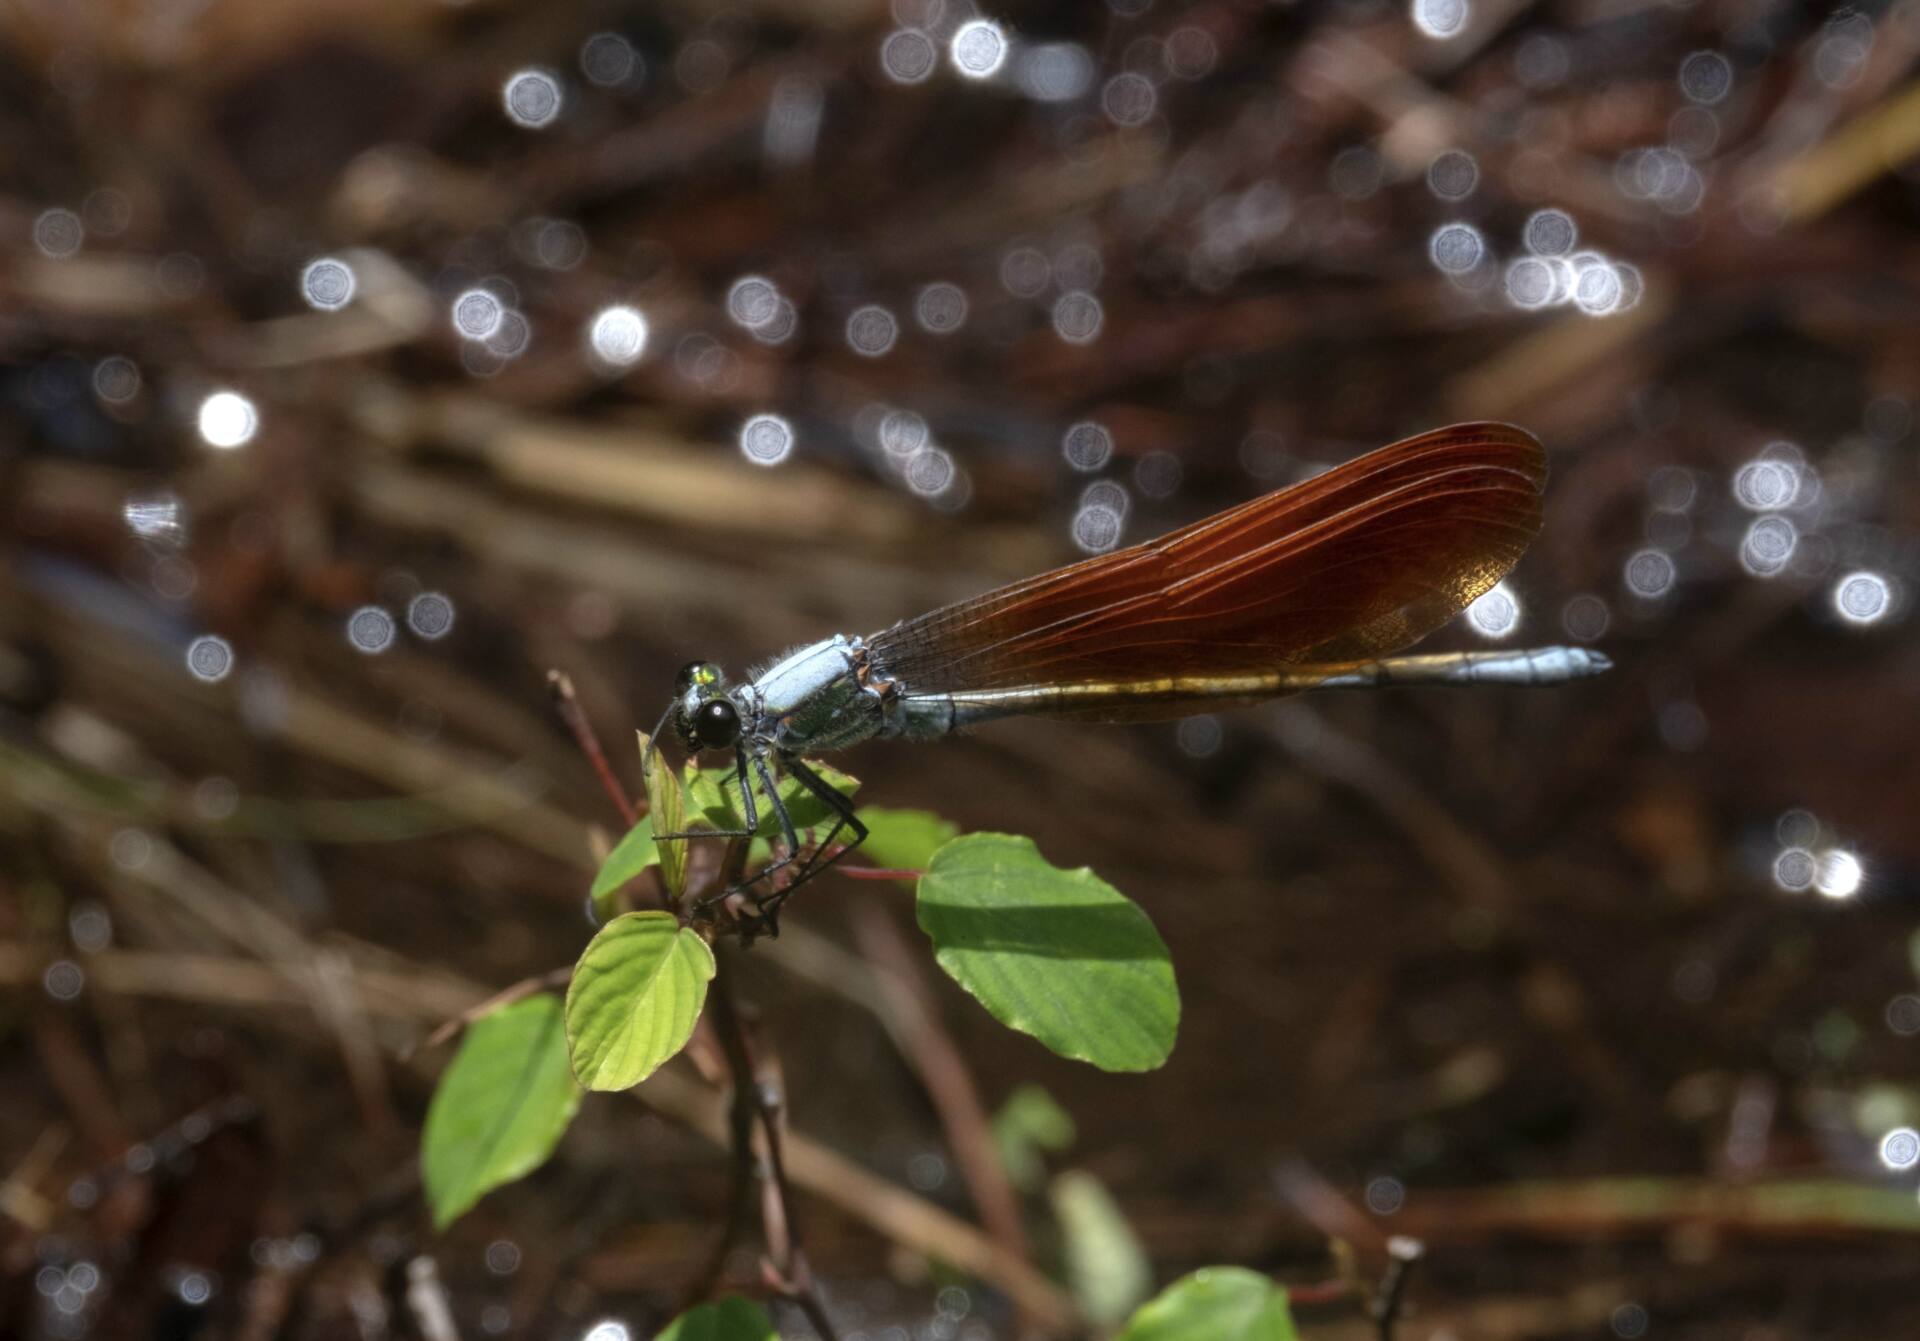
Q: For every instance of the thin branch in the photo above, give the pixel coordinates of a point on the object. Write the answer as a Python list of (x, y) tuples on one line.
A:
[(878, 872), (915, 1024), (567, 704), (506, 996), (1402, 1253), (786, 1267)]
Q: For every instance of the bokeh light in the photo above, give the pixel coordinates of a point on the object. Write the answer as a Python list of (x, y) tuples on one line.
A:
[(908, 56), (116, 379), (1453, 175), (476, 314), (430, 615), (608, 60), (1862, 598), (1706, 77), (618, 336), (1128, 99), (1456, 248), (532, 98), (766, 439), (1097, 528), (58, 234), (871, 331), (940, 308), (370, 630), (1495, 613), (753, 301), (327, 284), (1055, 71), (1440, 19), (1550, 233), (1900, 1148), (1077, 317), (1649, 573), (1840, 874), (978, 48), (1087, 446), (210, 658), (227, 420), (1769, 545), (1795, 869)]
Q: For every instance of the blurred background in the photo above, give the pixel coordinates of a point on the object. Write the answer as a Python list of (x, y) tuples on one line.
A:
[(362, 362)]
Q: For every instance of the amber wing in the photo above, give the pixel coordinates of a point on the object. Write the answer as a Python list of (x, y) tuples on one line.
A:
[(1357, 562)]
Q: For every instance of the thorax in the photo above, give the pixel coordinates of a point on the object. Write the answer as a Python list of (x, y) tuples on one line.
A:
[(814, 699)]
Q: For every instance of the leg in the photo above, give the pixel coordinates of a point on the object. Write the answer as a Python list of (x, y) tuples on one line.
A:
[(746, 804), (787, 830), (823, 856)]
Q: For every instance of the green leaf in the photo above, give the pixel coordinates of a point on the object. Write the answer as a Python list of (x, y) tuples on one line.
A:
[(1215, 1304), (500, 1107), (666, 809), (630, 856), (1027, 1123), (730, 1319), (716, 792), (1061, 955), (635, 996), (904, 840), (1107, 1268)]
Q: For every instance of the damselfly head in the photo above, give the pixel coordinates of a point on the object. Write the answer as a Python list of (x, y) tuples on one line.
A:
[(703, 716)]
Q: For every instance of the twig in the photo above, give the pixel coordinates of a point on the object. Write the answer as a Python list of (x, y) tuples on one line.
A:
[(567, 704), (786, 1267), (1402, 1253), (911, 1018), (506, 996), (427, 1301), (878, 872)]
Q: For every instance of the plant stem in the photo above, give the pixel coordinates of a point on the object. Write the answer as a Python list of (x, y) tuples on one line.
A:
[(786, 1265), (567, 704)]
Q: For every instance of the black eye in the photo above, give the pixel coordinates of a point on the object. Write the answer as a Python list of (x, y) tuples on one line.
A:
[(716, 725), (683, 678)]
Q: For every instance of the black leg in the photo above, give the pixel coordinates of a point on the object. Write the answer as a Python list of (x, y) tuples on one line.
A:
[(746, 804), (780, 810), (746, 792), (823, 856)]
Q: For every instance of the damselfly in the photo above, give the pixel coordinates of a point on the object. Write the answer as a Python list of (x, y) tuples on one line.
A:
[(1309, 587)]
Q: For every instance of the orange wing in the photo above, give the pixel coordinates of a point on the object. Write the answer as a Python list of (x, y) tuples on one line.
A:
[(1354, 563)]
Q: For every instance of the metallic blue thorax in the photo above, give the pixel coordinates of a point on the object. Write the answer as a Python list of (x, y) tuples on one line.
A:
[(813, 700)]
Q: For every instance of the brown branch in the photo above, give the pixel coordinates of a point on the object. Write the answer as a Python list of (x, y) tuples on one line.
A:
[(506, 996), (785, 1267), (1402, 1253), (567, 704), (879, 872), (911, 1018)]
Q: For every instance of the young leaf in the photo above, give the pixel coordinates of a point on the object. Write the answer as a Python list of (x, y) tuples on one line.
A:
[(904, 840), (1106, 1266), (665, 809), (1215, 1304), (1061, 955), (500, 1107), (730, 1319), (1028, 1122), (630, 856), (635, 996), (717, 793)]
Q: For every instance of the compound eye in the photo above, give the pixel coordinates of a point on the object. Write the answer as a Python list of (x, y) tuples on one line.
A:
[(684, 678), (716, 725)]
